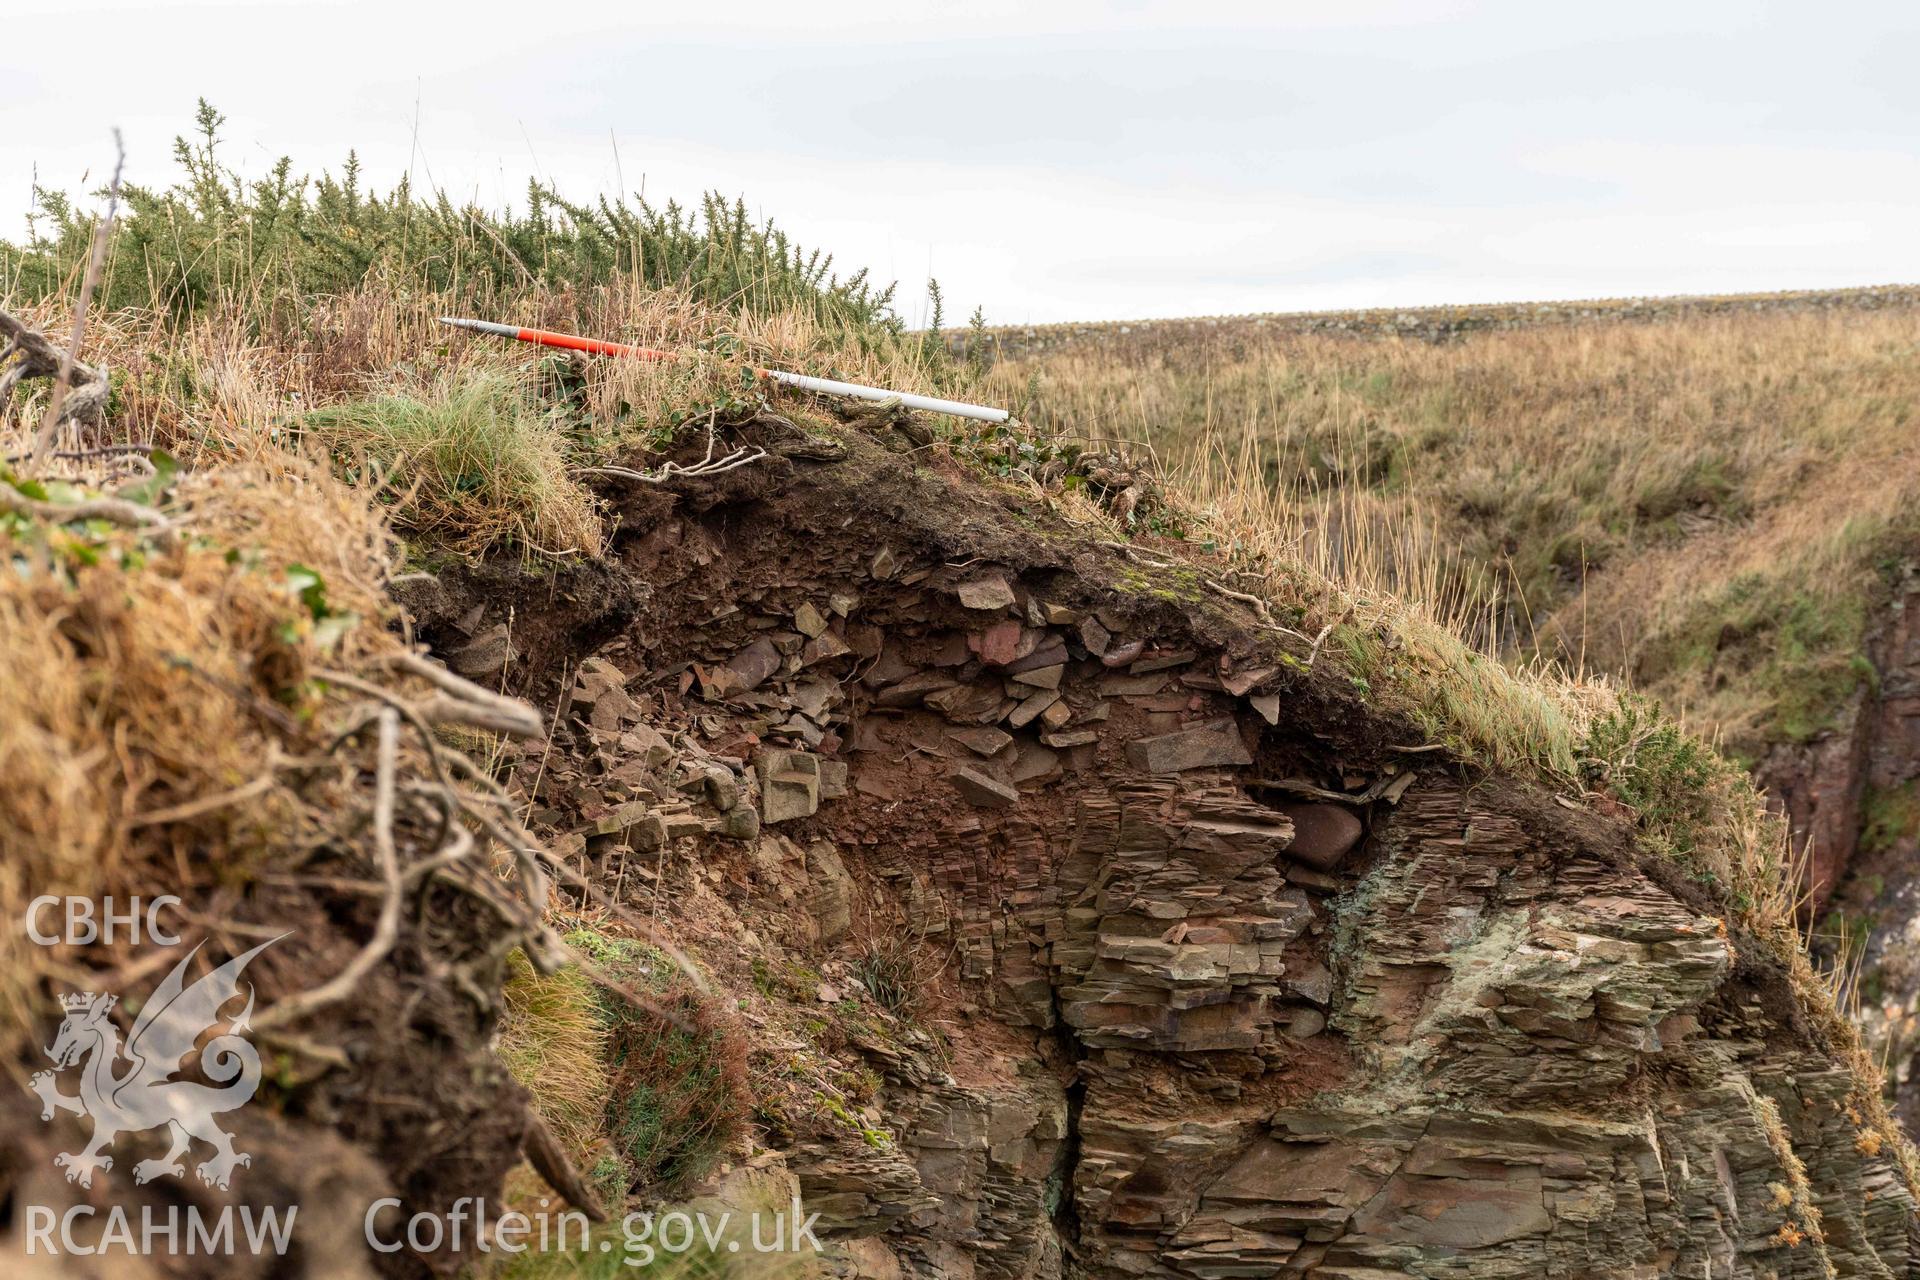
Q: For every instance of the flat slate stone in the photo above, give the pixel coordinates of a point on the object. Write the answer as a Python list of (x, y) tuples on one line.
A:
[(997, 645), (1202, 748), (809, 621), (823, 646), (990, 592), (1035, 762), (1162, 662), (1024, 713), (1041, 678), (984, 741), (1311, 981), (982, 790), (914, 689), (1240, 682), (646, 743), (1078, 738), (620, 818), (597, 675), (970, 703), (1048, 651), (1115, 685), (753, 664)]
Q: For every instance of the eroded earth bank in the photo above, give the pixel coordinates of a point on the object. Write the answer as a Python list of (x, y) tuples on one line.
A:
[(1215, 968)]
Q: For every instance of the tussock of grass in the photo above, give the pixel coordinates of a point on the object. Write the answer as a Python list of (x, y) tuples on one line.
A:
[(1514, 720), (676, 1096), (470, 462), (645, 1086), (554, 1040), (896, 971)]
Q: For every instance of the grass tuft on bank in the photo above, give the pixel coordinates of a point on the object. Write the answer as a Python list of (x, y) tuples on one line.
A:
[(467, 461)]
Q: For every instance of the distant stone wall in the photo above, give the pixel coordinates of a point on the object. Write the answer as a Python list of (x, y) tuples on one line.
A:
[(1432, 324)]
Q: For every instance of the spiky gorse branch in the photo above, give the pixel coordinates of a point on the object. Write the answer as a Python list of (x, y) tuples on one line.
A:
[(215, 239)]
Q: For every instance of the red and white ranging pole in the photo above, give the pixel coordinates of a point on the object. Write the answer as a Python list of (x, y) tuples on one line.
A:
[(826, 386)]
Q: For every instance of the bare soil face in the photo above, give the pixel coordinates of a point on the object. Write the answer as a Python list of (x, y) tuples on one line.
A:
[(1171, 1009), (1075, 925)]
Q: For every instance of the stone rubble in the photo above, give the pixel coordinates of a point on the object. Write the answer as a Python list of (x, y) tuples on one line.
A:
[(1441, 1037)]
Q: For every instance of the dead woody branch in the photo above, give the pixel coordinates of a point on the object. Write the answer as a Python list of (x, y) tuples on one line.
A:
[(79, 391), (29, 354)]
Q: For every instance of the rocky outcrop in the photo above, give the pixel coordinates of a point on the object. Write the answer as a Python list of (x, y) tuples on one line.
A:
[(1872, 749), (1854, 800), (1226, 984), (1503, 991)]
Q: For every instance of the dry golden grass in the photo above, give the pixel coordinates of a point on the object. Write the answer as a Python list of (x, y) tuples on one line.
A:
[(472, 442), (554, 1041), (149, 676), (1604, 496), (1407, 620)]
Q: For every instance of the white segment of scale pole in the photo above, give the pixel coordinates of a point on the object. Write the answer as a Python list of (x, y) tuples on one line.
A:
[(827, 386)]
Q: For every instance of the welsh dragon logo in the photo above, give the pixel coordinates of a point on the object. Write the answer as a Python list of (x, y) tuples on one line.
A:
[(144, 1095)]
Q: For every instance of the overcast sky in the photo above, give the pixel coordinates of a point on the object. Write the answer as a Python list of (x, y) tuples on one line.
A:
[(1067, 159)]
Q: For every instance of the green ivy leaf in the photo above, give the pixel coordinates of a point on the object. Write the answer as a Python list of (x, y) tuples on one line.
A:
[(29, 488), (310, 588)]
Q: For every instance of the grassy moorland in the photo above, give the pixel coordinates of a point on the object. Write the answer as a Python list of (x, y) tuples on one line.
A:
[(1708, 506), (275, 331)]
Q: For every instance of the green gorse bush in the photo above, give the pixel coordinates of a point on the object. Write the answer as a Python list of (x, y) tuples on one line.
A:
[(214, 240)]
